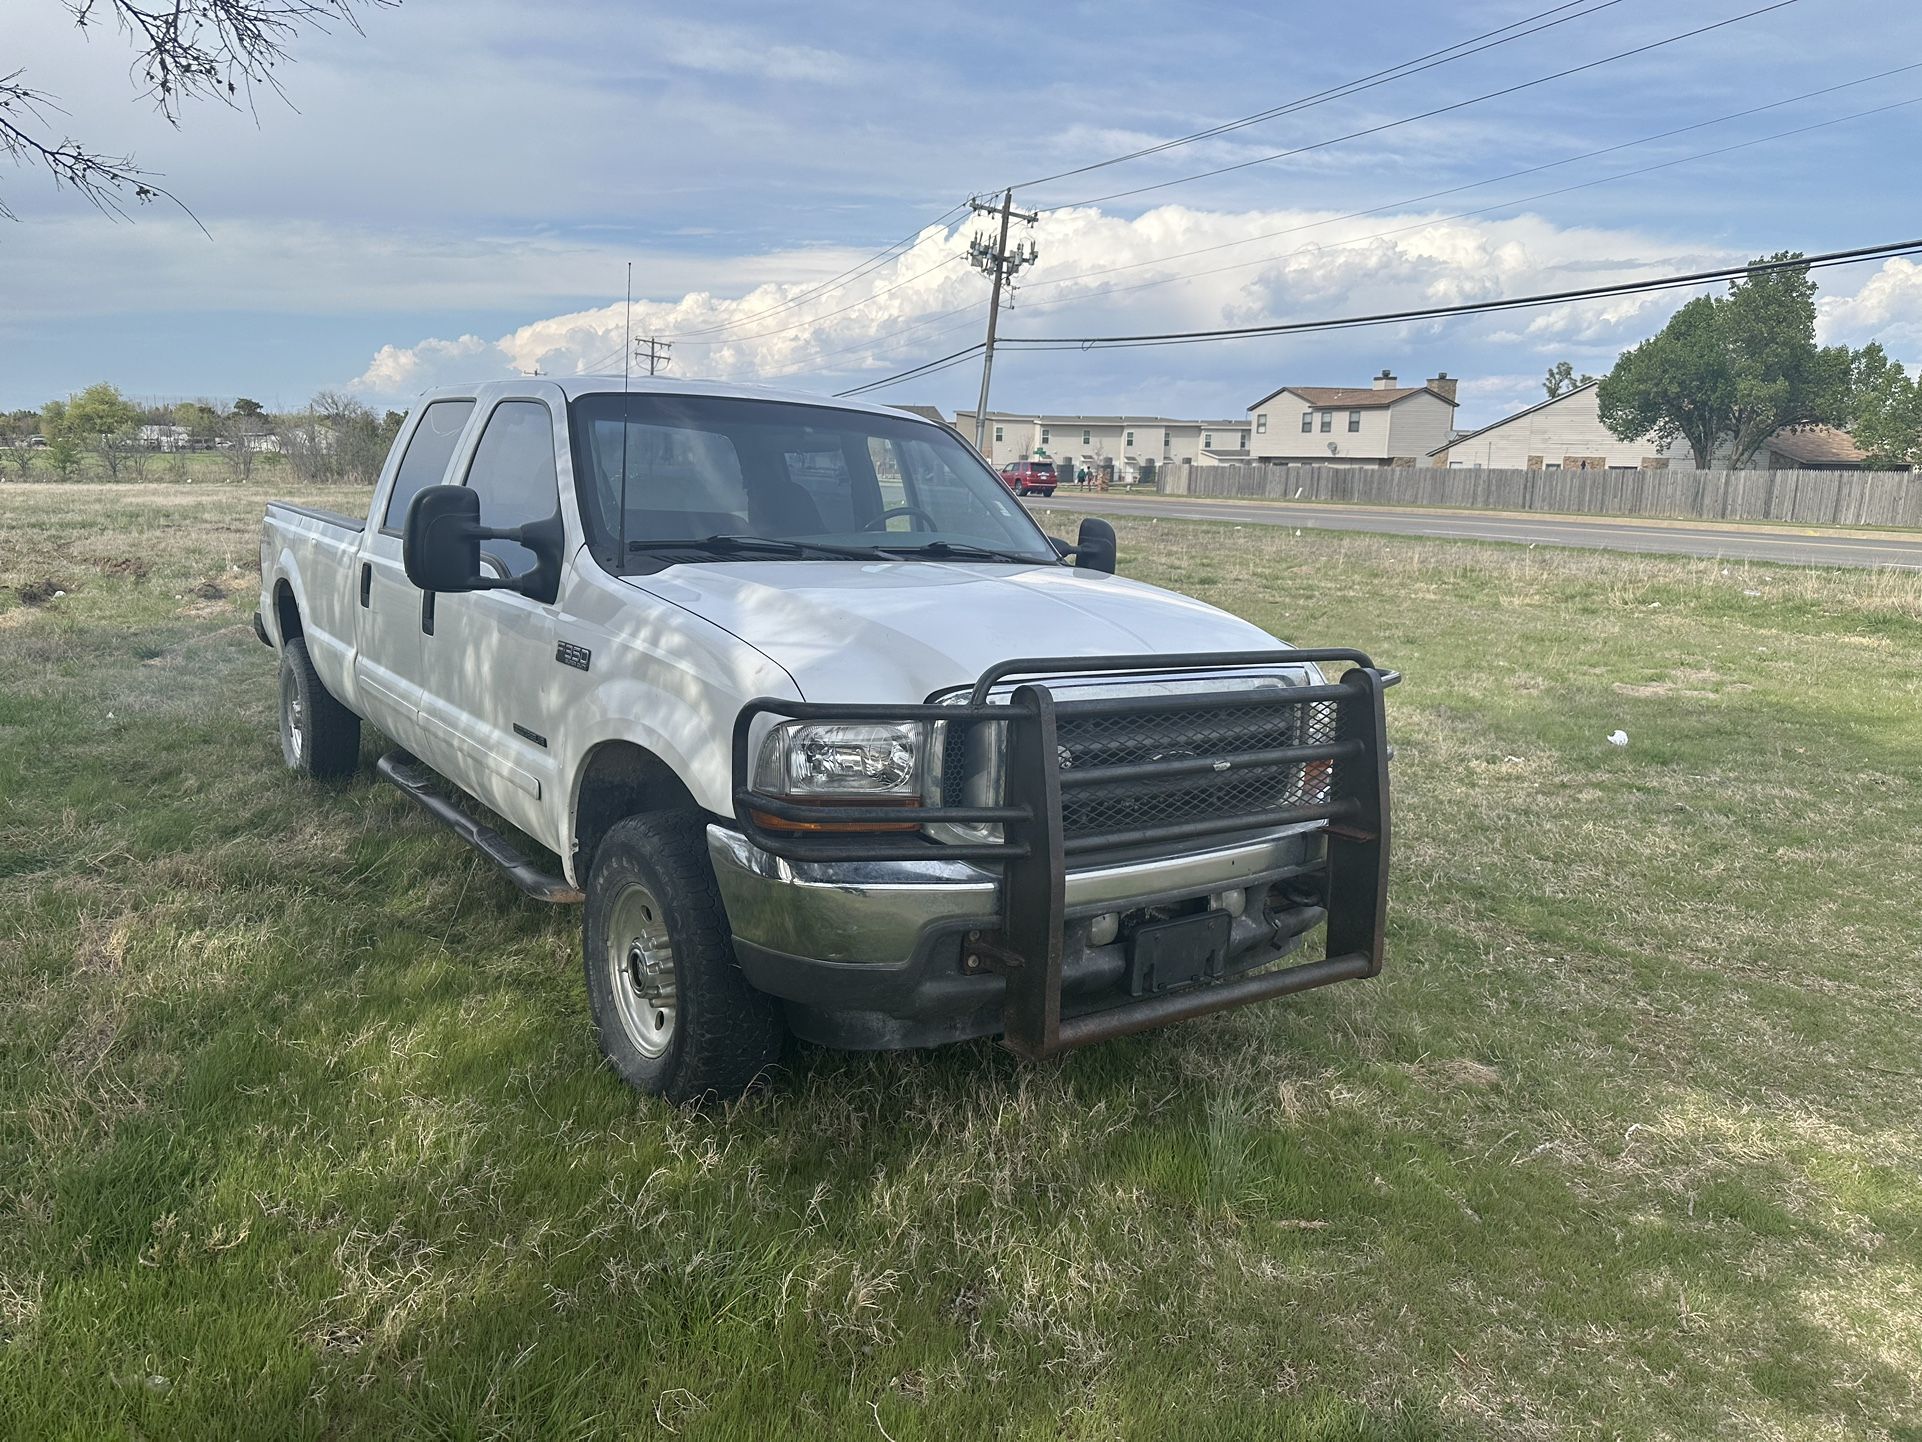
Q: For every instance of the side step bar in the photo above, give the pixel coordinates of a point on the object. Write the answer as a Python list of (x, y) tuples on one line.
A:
[(417, 783)]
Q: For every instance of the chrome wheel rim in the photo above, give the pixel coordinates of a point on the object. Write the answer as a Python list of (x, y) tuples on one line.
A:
[(640, 969), (292, 719)]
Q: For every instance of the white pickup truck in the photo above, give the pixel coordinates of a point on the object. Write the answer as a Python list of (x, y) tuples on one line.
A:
[(824, 730)]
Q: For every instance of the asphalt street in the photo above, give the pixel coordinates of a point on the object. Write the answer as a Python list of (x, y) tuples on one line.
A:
[(1794, 545)]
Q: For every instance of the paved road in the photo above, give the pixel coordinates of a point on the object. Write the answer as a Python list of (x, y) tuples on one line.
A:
[(1687, 538)]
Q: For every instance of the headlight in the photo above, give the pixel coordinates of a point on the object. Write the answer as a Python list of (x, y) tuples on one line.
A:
[(842, 759)]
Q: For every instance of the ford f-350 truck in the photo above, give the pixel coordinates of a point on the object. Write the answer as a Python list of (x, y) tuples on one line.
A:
[(827, 734)]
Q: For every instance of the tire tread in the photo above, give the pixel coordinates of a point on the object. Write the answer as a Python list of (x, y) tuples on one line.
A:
[(726, 1033)]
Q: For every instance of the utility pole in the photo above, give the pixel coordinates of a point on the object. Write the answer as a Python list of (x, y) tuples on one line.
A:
[(651, 350), (1001, 264)]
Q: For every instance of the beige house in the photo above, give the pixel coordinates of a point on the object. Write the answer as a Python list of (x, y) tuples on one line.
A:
[(1562, 433), (1128, 441), (1381, 424)]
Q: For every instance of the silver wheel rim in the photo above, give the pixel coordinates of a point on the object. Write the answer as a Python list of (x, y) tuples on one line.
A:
[(640, 969), (292, 720)]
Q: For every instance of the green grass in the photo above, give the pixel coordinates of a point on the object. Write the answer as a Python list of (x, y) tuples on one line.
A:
[(303, 1135)]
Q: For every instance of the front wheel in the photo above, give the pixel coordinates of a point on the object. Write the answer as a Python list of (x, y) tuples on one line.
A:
[(673, 1014)]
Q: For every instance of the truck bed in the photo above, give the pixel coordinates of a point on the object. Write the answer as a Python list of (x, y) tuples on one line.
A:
[(313, 513)]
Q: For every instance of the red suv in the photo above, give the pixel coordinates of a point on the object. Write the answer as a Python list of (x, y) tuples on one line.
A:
[(1029, 478)]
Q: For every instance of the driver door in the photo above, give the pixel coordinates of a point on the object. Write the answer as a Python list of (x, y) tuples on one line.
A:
[(490, 702)]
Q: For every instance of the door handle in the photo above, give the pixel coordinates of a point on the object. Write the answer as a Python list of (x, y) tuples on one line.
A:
[(366, 583)]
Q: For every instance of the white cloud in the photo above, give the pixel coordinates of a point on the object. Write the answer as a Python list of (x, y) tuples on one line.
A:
[(395, 371), (1102, 274), (1888, 308)]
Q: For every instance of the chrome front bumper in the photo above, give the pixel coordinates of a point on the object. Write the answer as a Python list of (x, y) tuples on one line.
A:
[(886, 912)]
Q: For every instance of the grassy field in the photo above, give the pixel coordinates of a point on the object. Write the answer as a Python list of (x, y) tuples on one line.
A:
[(302, 1131)]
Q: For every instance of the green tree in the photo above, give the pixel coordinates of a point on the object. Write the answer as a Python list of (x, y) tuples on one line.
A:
[(201, 422), (1731, 369), (1561, 377), (63, 452), (244, 407), (1674, 385), (18, 432), (100, 419), (1884, 408)]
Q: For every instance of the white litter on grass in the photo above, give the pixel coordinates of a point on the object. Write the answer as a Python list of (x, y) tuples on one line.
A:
[(1297, 535), (58, 594), (1618, 738), (1751, 593)]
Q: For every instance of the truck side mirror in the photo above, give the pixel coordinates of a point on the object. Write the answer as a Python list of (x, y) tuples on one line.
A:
[(1094, 546), (440, 544)]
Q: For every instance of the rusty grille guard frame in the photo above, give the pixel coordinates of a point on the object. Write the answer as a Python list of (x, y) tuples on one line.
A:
[(1035, 854)]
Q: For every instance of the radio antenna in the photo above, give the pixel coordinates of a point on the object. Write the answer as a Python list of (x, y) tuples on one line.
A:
[(627, 360)]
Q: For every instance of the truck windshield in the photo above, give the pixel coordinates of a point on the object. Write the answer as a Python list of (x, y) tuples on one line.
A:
[(836, 483)]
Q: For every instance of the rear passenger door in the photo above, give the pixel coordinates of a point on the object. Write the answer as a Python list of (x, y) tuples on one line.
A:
[(387, 660), (489, 665)]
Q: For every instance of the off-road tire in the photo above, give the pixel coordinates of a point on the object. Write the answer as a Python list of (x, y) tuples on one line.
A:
[(319, 737), (723, 1034)]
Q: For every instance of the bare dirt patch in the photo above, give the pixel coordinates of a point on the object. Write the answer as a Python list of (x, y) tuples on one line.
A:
[(38, 593)]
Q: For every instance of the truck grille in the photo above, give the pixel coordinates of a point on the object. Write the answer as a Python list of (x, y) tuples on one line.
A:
[(1116, 738)]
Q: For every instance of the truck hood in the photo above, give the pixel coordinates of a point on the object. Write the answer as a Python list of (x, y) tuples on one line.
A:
[(902, 630)]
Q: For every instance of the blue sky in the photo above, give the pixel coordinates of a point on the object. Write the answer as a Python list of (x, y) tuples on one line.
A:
[(455, 193)]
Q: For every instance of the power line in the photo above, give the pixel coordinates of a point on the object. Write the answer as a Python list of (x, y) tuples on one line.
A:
[(1430, 223), (1402, 71), (928, 368), (874, 346), (1496, 180), (1426, 114), (1633, 287), (1424, 224), (833, 282), (827, 315)]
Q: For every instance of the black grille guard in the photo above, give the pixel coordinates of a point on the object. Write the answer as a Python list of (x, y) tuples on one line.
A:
[(1352, 801)]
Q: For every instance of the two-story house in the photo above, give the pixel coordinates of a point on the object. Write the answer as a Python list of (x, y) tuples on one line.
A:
[(1129, 441), (1382, 424)]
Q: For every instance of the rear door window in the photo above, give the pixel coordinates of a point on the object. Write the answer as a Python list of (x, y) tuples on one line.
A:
[(429, 450)]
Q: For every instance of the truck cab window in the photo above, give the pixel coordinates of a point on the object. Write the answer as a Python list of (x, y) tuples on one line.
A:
[(429, 450), (513, 472)]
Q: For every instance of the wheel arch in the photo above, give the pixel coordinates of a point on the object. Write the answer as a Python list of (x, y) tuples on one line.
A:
[(617, 779), (287, 620)]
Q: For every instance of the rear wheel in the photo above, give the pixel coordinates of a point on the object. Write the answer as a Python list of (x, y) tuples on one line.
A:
[(672, 1011), (319, 737)]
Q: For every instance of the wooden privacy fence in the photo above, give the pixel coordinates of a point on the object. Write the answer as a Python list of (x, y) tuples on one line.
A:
[(1813, 498)]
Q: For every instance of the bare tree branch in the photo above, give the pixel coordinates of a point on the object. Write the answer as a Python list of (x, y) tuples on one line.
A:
[(183, 50)]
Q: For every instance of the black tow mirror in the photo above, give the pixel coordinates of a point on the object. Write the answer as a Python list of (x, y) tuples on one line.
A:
[(440, 546), (1094, 546)]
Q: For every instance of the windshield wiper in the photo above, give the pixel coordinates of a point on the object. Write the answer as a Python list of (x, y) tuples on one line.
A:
[(735, 545), (962, 551)]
